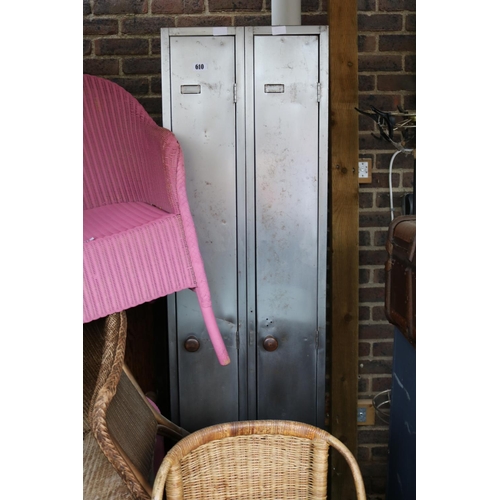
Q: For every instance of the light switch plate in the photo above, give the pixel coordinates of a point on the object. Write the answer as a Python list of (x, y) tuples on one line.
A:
[(365, 170)]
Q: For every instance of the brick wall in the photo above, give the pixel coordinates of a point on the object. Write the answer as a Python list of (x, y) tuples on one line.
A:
[(122, 42)]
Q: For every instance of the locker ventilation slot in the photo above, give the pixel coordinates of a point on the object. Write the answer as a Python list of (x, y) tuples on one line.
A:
[(190, 89), (272, 88)]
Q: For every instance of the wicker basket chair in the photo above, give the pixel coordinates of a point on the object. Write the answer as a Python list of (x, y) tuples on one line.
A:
[(259, 460), (139, 239), (119, 424)]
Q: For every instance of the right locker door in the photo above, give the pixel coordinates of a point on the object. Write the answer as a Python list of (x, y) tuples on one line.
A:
[(286, 175)]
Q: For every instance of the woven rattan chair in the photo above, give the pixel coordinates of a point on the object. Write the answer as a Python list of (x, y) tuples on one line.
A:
[(120, 426), (139, 239), (252, 460)]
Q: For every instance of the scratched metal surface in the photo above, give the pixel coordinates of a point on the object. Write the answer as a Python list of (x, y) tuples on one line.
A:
[(256, 178)]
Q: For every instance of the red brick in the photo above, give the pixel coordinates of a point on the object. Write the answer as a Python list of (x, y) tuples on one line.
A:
[(363, 454), (366, 83), (374, 219), (363, 383), (397, 5), (364, 278), (376, 331), (378, 313), (397, 43), (380, 384), (364, 311), (366, 124), (381, 180), (156, 85), (100, 26), (102, 7), (372, 257), (168, 7), (401, 161), (136, 86), (156, 46), (382, 349), (365, 199), (411, 22), (367, 43), (177, 6), (380, 238), (379, 276), (367, 5), (364, 349), (368, 141), (193, 21), (410, 102), (306, 5), (87, 47), (86, 8), (396, 82), (314, 19), (372, 294), (101, 66), (380, 63), (383, 201), (411, 63), (364, 238), (408, 179), (142, 65), (254, 20), (234, 5), (387, 102), (380, 22), (370, 436), (376, 366), (121, 46), (146, 25)]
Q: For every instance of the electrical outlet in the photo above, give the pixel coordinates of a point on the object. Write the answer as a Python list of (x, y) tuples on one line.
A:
[(366, 412), (365, 170)]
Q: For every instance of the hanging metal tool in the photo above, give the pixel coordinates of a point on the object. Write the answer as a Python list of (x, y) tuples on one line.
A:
[(387, 125)]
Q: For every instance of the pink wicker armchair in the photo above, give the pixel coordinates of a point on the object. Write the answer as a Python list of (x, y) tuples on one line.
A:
[(139, 237)]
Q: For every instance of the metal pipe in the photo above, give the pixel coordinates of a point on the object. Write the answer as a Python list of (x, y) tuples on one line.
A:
[(286, 12)]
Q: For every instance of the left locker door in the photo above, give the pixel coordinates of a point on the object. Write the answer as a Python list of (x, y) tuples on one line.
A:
[(202, 114)]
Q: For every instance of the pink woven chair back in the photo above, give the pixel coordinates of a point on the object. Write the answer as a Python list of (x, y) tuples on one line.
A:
[(122, 157), (140, 241)]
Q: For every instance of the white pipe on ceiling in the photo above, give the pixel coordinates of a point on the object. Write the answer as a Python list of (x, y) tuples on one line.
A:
[(286, 12)]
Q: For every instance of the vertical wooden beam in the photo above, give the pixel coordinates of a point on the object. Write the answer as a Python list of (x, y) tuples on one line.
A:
[(344, 239)]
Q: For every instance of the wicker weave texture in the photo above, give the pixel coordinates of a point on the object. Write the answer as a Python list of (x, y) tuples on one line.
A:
[(133, 426), (260, 460), (131, 257), (109, 338), (268, 467), (100, 479)]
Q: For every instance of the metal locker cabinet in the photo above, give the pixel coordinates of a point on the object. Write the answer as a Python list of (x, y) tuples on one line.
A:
[(249, 107), (201, 78), (286, 112)]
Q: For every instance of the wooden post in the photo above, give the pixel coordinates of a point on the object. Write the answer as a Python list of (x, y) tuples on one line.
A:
[(344, 239)]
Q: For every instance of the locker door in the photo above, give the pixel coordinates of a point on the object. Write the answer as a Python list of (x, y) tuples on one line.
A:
[(286, 114), (202, 75)]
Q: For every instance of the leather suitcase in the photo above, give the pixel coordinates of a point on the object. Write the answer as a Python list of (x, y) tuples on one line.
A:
[(400, 275)]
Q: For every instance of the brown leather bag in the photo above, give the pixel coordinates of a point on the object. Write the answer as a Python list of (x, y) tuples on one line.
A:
[(400, 274)]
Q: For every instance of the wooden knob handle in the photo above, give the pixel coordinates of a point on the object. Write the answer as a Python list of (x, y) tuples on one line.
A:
[(191, 344), (270, 343)]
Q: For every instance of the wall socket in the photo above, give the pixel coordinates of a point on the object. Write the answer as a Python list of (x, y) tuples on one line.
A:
[(365, 170), (366, 412)]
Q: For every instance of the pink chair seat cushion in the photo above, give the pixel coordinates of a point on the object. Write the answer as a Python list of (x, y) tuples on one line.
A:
[(132, 253)]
